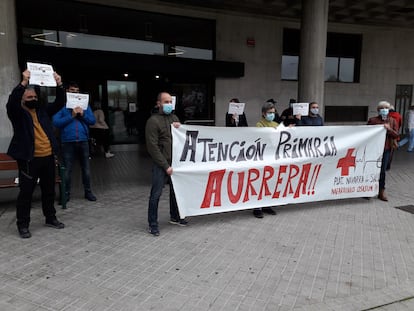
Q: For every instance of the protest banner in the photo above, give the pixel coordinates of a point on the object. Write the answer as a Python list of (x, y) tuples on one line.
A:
[(218, 169)]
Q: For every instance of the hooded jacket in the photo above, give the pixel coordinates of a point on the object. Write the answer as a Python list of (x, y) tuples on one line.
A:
[(73, 129)]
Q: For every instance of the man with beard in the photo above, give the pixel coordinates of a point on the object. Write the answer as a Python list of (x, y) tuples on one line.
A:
[(34, 147)]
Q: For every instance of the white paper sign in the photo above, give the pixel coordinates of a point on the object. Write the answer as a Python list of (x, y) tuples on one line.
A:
[(300, 108), (74, 100), (41, 74), (236, 108), (174, 100), (132, 107), (220, 169)]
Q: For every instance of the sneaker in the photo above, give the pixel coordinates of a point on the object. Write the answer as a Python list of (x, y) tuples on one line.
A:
[(89, 196), (108, 155), (258, 213), (181, 222), (268, 210), (24, 233), (154, 231), (54, 224)]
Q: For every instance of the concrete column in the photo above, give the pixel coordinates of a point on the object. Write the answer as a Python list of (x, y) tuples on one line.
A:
[(314, 27), (9, 69)]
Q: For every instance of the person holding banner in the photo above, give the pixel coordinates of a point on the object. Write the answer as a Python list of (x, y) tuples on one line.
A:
[(391, 126), (159, 145), (34, 147), (236, 120), (268, 115), (74, 132)]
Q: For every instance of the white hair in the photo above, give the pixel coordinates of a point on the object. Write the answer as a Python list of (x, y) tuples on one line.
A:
[(383, 104)]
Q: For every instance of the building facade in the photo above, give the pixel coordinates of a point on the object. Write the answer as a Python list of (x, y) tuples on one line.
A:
[(124, 52)]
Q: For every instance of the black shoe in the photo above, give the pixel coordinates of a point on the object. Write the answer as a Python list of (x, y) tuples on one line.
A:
[(181, 222), (154, 231), (24, 233), (54, 224), (268, 210), (89, 196), (258, 213)]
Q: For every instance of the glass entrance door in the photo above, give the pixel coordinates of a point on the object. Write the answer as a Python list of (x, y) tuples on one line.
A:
[(122, 111)]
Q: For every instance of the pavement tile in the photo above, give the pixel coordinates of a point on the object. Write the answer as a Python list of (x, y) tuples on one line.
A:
[(334, 255)]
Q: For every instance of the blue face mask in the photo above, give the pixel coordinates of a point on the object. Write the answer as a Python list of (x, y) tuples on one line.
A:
[(167, 108), (270, 116), (314, 110), (384, 112)]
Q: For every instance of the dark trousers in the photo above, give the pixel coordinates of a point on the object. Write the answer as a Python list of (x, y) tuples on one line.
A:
[(385, 161), (159, 179), (101, 136), (29, 172), (70, 152)]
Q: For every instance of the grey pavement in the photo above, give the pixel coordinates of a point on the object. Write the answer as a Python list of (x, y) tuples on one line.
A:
[(352, 254)]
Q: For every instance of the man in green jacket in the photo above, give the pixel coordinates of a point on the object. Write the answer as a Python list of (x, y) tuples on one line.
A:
[(159, 145)]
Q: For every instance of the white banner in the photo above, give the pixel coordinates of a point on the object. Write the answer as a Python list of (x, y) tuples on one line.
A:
[(218, 169)]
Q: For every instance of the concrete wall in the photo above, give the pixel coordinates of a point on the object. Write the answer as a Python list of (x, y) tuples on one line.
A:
[(9, 73), (386, 61)]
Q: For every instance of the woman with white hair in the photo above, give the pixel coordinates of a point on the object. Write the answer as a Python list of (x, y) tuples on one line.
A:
[(391, 126)]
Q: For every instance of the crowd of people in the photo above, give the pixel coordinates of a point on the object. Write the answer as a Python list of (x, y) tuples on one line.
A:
[(35, 146)]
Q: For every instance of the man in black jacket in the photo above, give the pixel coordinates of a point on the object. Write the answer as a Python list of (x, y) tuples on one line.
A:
[(34, 147)]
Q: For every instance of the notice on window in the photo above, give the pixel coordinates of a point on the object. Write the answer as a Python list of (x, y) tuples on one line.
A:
[(300, 108), (41, 74), (74, 100), (236, 108)]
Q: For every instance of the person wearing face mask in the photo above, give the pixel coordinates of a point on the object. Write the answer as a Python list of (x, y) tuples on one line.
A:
[(267, 120), (34, 147), (313, 119), (74, 135), (159, 145), (391, 126)]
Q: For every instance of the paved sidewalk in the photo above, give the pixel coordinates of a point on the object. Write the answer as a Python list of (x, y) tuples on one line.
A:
[(352, 254)]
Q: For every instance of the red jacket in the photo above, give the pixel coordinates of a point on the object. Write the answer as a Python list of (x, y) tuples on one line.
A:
[(391, 133)]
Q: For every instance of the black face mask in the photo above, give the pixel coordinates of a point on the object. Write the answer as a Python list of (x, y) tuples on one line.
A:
[(32, 104)]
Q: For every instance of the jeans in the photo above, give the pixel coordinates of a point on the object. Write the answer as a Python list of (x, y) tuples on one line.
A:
[(409, 140), (385, 161), (79, 149), (29, 172), (159, 178)]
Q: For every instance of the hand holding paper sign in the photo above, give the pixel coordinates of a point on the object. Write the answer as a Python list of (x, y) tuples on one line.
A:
[(236, 108), (42, 74), (74, 100), (301, 109)]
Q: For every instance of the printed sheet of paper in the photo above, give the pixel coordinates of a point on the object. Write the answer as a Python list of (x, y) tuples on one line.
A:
[(236, 108), (300, 108), (74, 100), (41, 74)]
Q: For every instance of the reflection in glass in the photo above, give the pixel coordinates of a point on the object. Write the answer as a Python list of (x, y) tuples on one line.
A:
[(123, 110), (346, 70), (331, 69), (290, 65)]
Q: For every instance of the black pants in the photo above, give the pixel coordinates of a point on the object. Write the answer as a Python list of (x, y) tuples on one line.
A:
[(29, 172), (102, 137)]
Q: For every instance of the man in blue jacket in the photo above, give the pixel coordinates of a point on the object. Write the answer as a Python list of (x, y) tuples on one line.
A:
[(74, 135), (34, 147)]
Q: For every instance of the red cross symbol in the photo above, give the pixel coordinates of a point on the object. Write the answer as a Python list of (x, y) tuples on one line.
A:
[(346, 162)]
